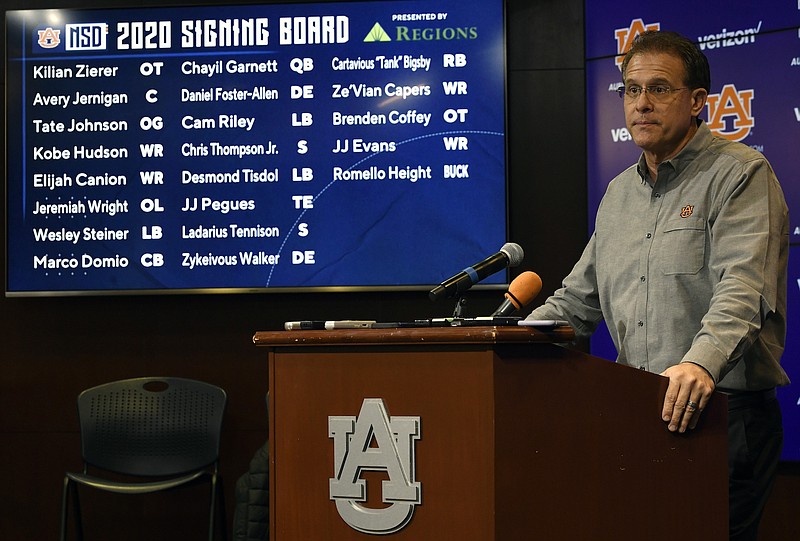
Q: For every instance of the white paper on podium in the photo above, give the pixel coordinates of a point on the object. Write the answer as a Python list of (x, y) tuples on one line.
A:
[(542, 322)]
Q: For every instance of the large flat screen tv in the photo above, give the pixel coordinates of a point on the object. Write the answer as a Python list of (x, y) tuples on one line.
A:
[(272, 147)]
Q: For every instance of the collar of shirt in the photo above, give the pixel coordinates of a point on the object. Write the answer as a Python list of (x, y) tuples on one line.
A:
[(701, 140)]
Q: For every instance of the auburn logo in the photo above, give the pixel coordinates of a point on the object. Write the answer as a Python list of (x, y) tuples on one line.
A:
[(374, 441), (49, 38), (625, 37), (687, 211), (730, 113)]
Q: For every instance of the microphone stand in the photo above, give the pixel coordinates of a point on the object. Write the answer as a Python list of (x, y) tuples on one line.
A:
[(461, 300)]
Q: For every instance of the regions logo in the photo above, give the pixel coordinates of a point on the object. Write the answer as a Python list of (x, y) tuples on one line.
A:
[(49, 38), (86, 36), (377, 34), (373, 441), (625, 37), (730, 113), (406, 33)]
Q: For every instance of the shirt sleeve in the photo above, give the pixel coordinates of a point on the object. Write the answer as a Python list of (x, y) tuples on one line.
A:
[(747, 258), (577, 301)]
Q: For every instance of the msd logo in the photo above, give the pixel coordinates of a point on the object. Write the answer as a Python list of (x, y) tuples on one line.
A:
[(730, 113), (625, 37), (86, 36)]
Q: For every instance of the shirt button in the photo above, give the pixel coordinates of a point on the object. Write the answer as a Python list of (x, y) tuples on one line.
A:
[(649, 235), (640, 323), (641, 368), (642, 278), (657, 195)]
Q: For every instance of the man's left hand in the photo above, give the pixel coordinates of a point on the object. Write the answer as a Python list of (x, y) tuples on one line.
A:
[(690, 388)]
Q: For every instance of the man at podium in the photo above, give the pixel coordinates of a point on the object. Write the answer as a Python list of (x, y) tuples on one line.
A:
[(688, 267)]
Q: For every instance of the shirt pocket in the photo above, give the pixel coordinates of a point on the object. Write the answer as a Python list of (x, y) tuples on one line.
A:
[(684, 246)]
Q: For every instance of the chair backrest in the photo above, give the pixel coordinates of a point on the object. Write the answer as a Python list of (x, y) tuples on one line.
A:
[(152, 426)]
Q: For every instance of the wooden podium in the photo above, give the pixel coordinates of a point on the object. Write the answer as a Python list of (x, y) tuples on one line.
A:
[(518, 439)]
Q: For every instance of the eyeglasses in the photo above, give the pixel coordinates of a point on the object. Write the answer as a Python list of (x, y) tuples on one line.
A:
[(655, 92)]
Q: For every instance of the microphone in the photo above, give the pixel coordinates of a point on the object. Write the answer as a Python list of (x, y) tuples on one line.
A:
[(521, 291), (510, 255)]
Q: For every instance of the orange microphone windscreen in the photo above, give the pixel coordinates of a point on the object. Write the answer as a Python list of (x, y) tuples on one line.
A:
[(524, 288)]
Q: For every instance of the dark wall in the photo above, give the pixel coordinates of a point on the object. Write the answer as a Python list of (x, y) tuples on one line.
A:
[(52, 348)]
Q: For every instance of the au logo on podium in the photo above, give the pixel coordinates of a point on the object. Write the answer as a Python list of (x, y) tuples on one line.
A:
[(373, 441)]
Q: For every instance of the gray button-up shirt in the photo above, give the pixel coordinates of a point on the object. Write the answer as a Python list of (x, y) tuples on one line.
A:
[(691, 269)]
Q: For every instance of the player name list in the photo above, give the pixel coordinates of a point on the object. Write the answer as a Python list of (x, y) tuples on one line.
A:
[(192, 162)]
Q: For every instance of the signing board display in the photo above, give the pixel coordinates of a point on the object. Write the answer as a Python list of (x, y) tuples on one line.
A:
[(255, 147)]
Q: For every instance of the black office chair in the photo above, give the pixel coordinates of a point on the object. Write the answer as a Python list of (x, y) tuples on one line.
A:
[(160, 433)]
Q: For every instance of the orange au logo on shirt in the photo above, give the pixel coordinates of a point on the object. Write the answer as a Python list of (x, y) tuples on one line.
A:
[(687, 211), (625, 36), (49, 38), (735, 105)]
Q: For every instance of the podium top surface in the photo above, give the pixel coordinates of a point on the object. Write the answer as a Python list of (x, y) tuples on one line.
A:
[(422, 336)]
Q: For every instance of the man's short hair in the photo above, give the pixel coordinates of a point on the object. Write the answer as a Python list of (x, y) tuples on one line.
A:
[(698, 73)]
